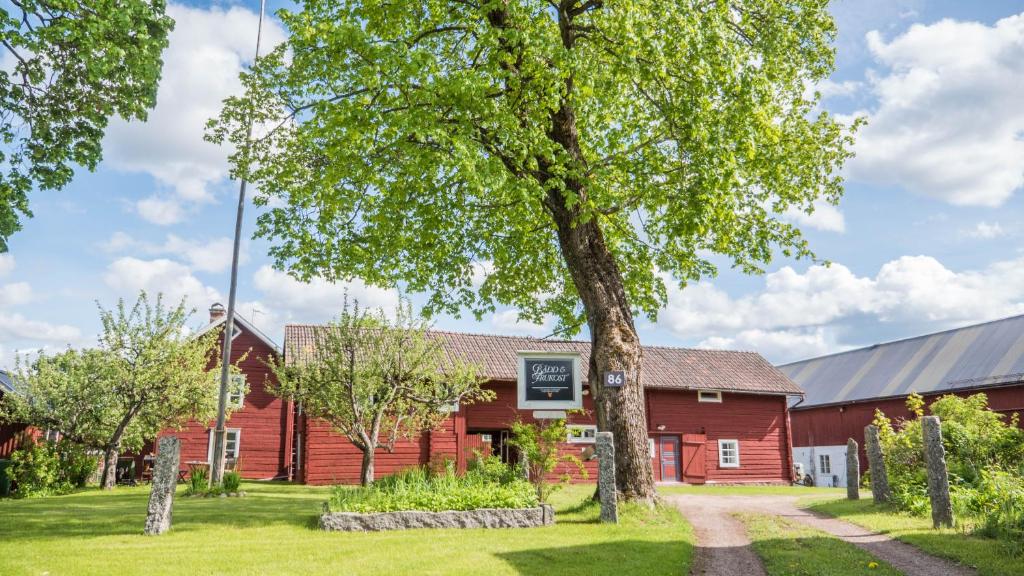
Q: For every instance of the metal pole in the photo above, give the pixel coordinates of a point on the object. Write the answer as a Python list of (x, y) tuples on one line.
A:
[(217, 466)]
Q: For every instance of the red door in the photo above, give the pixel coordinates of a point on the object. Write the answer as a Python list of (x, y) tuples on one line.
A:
[(693, 458), (669, 457)]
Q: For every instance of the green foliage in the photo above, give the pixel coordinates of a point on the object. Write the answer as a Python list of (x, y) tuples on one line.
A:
[(35, 468), (984, 456), (421, 489), (451, 146), (74, 65), (540, 443), (232, 480), (492, 469), (377, 379), (198, 481), (77, 466)]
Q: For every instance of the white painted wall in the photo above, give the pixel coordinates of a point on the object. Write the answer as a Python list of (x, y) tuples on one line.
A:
[(810, 456)]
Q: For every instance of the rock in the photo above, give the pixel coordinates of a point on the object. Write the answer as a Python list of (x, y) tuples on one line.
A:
[(483, 518), (222, 495), (165, 481), (938, 475), (606, 477), (880, 490), (852, 470)]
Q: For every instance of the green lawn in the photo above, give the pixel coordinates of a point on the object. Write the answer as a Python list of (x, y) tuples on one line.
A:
[(990, 557), (273, 531), (789, 549), (727, 490)]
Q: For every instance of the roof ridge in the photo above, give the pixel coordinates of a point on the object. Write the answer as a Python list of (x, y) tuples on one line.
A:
[(905, 339)]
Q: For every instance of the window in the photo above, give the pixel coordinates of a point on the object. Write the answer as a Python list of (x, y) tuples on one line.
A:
[(729, 453), (582, 433), (236, 391), (232, 443), (706, 396), (825, 464)]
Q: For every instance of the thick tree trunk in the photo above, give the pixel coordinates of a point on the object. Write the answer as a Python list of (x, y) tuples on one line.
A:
[(109, 479), (366, 471)]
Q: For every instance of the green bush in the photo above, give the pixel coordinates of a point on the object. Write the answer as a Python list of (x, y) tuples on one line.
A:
[(76, 465), (421, 489), (35, 469), (984, 456), (232, 481), (541, 444), (198, 481)]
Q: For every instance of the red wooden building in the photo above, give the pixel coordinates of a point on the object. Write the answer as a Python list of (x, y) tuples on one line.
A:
[(844, 390), (713, 416), (10, 434)]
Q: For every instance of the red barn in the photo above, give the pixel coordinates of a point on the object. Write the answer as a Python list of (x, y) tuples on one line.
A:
[(844, 390), (10, 434), (713, 416)]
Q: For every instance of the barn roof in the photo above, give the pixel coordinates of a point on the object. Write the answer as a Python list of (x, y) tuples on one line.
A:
[(977, 356), (664, 367)]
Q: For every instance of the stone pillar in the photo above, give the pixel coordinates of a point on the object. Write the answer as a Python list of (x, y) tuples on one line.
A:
[(165, 481), (606, 477), (876, 464), (938, 476), (852, 470)]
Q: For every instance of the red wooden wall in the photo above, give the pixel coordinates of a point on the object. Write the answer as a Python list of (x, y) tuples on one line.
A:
[(265, 421), (10, 438), (834, 425), (758, 422)]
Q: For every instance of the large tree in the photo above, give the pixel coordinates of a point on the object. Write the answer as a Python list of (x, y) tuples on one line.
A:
[(377, 379), (568, 158), (71, 66)]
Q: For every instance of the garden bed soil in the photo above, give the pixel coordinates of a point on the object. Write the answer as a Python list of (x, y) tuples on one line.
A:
[(542, 515)]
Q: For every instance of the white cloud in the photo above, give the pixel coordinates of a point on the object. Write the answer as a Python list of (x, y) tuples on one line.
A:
[(15, 294), (201, 67), (160, 211), (509, 322), (948, 122), (283, 299), (128, 275), (985, 231), (785, 316), (6, 264), (824, 217), (203, 255)]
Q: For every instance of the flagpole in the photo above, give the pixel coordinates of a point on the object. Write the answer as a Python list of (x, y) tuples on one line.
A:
[(217, 466)]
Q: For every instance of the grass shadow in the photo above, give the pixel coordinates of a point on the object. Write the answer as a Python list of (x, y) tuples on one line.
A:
[(614, 558)]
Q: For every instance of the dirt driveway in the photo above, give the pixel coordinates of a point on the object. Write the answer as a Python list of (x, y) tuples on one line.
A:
[(723, 548)]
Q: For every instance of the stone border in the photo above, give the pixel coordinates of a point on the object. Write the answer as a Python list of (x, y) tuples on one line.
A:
[(542, 515)]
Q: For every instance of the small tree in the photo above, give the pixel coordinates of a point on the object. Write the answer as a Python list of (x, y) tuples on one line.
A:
[(377, 379), (539, 444)]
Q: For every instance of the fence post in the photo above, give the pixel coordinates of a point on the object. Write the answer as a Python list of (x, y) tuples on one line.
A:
[(852, 470), (938, 475), (880, 490)]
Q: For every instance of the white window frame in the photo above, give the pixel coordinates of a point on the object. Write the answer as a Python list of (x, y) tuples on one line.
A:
[(825, 463), (716, 396), (236, 391), (238, 444), (722, 447), (584, 438)]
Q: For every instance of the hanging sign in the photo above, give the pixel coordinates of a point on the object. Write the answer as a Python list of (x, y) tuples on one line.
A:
[(550, 381), (614, 378)]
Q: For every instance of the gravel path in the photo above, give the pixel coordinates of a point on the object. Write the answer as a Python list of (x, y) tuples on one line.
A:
[(720, 535)]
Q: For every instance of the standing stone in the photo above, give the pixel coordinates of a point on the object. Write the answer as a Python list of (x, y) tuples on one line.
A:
[(852, 470), (165, 481), (606, 477), (938, 476), (880, 490)]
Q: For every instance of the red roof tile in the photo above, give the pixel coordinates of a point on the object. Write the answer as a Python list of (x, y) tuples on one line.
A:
[(663, 367)]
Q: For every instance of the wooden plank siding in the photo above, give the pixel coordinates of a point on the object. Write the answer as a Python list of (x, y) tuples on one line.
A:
[(265, 421), (833, 425), (758, 422)]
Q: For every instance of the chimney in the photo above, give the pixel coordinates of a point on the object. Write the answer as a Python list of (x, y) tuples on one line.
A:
[(217, 312)]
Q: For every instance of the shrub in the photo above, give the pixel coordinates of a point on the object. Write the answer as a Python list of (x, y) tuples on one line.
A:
[(493, 469), (421, 489), (198, 481), (76, 465), (35, 469), (232, 481), (984, 456), (540, 443)]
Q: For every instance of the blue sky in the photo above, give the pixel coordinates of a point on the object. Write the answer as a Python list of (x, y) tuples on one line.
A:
[(928, 235)]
